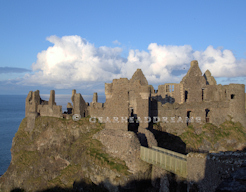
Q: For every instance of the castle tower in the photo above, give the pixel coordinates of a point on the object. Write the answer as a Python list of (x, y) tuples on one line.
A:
[(237, 102), (95, 98), (193, 83), (52, 98), (32, 102)]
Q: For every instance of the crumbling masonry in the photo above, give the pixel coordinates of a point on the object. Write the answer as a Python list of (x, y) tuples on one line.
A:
[(197, 98), (133, 105)]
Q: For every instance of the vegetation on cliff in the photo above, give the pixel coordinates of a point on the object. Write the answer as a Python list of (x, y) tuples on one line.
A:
[(229, 136), (63, 154), (57, 153)]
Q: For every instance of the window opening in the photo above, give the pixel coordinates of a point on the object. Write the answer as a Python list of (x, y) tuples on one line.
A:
[(207, 115), (188, 117), (167, 88), (202, 94), (186, 96)]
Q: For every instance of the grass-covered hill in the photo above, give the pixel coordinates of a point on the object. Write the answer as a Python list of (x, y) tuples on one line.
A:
[(61, 155), (59, 152), (229, 136)]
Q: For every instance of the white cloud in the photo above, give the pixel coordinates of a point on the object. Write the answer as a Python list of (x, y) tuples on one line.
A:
[(73, 61), (116, 42)]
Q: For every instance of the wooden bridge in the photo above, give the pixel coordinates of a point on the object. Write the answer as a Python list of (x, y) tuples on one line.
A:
[(166, 159)]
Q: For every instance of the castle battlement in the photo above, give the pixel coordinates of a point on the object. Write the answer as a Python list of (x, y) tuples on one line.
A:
[(197, 95)]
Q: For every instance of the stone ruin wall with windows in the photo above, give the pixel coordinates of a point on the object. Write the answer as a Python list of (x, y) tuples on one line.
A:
[(197, 96)]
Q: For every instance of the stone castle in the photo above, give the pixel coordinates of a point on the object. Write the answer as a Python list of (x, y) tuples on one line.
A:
[(197, 99), (131, 108)]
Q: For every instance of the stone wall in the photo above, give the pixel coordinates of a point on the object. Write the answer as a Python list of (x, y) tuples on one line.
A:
[(32, 102), (35, 104), (124, 145), (79, 104), (117, 106), (193, 83), (95, 109), (169, 93), (51, 109), (237, 102), (245, 102), (196, 96), (207, 171), (200, 97), (125, 98)]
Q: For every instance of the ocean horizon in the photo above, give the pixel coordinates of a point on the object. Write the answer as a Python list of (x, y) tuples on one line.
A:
[(12, 111)]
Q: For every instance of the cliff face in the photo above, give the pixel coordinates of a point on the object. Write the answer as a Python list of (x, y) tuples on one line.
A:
[(229, 136), (59, 152), (83, 156)]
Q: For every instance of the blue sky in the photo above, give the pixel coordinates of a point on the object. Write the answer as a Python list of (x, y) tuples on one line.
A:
[(63, 45)]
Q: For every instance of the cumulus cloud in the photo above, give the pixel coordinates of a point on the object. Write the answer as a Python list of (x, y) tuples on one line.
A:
[(221, 63), (72, 61)]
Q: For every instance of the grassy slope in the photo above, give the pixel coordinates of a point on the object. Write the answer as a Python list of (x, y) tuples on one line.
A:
[(228, 135), (71, 141)]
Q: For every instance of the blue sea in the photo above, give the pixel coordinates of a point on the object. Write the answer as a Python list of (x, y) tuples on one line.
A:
[(12, 111)]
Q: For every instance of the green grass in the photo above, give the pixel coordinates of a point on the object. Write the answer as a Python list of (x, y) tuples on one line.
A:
[(67, 173), (80, 151), (213, 134), (104, 159)]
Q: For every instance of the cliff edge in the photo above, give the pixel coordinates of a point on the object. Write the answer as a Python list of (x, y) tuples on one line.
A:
[(59, 153)]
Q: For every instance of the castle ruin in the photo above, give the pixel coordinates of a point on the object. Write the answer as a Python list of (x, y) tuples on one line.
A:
[(131, 105)]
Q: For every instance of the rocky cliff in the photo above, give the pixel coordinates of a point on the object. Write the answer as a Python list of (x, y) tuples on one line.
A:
[(229, 136), (66, 155), (60, 153)]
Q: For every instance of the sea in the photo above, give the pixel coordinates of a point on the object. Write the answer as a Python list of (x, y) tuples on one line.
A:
[(12, 111)]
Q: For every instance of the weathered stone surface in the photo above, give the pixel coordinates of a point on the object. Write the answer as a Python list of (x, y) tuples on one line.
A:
[(31, 117), (210, 79), (32, 101), (124, 145), (159, 179), (35, 104), (207, 171), (139, 76), (151, 141), (79, 105), (197, 97), (69, 105), (235, 183), (58, 153), (52, 98), (125, 98), (95, 98)]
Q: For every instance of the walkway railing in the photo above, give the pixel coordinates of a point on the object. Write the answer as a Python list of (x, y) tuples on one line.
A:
[(166, 159)]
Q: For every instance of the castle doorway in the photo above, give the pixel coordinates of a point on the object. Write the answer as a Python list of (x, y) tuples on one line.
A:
[(207, 115), (188, 115), (133, 124)]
